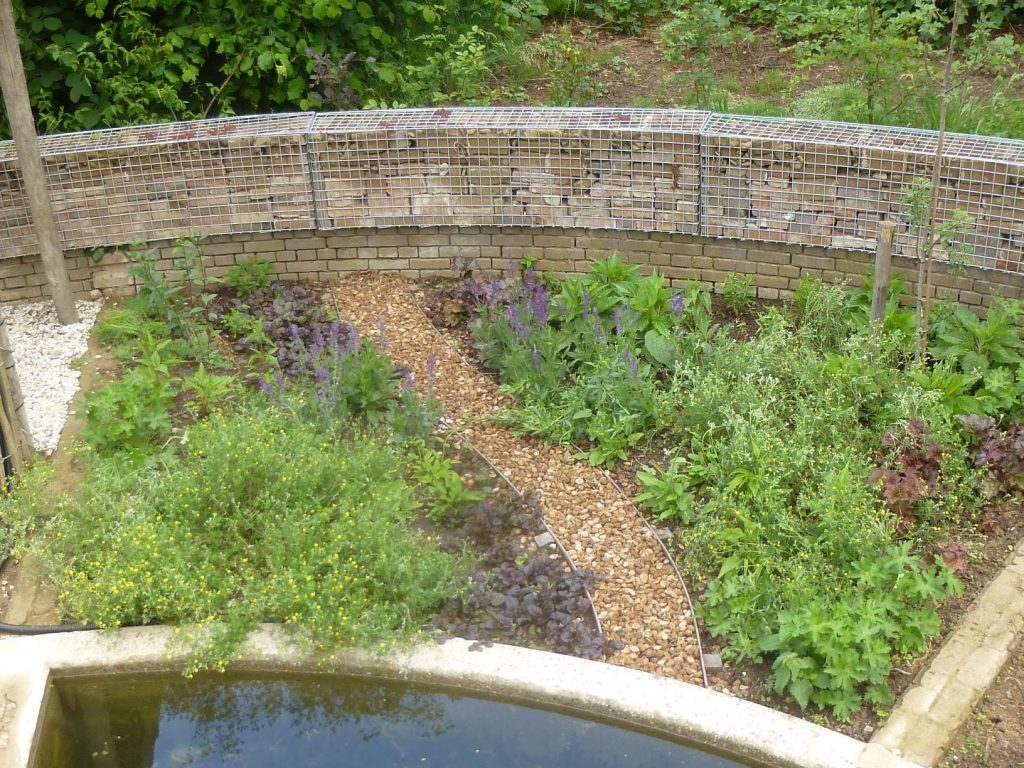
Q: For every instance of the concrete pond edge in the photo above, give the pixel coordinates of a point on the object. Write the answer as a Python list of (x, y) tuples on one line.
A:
[(678, 710)]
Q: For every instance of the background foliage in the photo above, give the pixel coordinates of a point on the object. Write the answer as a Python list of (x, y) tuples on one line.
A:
[(94, 63)]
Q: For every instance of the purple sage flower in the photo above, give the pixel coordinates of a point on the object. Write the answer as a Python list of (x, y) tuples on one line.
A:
[(540, 304), (322, 374), (676, 304), (619, 327), (278, 377), (514, 319), (537, 362), (408, 379)]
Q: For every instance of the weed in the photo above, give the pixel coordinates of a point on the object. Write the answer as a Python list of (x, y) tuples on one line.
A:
[(248, 276), (738, 292)]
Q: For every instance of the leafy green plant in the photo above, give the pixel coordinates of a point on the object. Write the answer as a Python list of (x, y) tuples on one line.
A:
[(822, 312), (738, 292), (899, 320), (249, 275), (961, 338), (577, 360), (129, 414), (625, 15), (699, 26), (668, 493), (179, 302), (209, 391), (570, 69), (834, 652), (442, 492), (123, 327)]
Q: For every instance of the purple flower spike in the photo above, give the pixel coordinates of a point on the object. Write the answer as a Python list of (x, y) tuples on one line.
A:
[(278, 377), (540, 304), (293, 329), (631, 361), (676, 304), (322, 374), (431, 368), (514, 319), (537, 362), (408, 379), (586, 304), (333, 334), (619, 328), (267, 387)]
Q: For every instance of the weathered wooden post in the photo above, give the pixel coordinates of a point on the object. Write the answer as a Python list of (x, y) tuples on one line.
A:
[(13, 399), (880, 285), (23, 127)]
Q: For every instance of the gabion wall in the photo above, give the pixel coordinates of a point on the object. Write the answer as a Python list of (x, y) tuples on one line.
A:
[(672, 171)]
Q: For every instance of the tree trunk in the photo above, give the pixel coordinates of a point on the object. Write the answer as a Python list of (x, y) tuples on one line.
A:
[(19, 114)]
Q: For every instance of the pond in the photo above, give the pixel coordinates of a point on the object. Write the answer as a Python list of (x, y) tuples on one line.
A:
[(150, 721)]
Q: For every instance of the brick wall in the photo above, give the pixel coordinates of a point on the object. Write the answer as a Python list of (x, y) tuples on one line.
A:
[(423, 252)]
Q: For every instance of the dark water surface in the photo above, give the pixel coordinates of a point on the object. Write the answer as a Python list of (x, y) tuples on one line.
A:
[(165, 721)]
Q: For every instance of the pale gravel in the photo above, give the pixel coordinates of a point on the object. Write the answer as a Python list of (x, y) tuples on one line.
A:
[(43, 354), (639, 598)]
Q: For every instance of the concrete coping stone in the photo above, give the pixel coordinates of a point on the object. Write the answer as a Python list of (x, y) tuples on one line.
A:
[(678, 710)]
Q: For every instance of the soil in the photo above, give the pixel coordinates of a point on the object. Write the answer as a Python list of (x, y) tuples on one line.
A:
[(994, 735), (630, 71)]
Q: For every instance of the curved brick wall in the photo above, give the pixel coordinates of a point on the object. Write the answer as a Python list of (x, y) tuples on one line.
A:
[(694, 194)]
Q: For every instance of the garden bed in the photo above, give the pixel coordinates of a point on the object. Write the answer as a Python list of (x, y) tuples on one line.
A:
[(971, 522), (253, 459)]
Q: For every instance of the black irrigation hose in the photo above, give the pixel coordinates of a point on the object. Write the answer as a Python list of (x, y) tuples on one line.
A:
[(43, 629)]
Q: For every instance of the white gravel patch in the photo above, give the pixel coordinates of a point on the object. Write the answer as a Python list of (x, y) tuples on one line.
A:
[(43, 352)]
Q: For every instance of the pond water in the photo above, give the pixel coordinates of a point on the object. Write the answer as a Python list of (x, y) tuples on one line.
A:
[(164, 721)]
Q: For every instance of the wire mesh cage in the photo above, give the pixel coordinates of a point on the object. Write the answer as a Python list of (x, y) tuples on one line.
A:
[(154, 182), (831, 184), (598, 168), (676, 171)]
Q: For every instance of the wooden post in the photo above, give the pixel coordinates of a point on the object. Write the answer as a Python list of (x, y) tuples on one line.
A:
[(880, 285), (10, 390), (19, 114)]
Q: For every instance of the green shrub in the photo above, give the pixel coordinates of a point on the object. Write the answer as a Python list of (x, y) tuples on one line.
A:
[(129, 414), (262, 517), (784, 488)]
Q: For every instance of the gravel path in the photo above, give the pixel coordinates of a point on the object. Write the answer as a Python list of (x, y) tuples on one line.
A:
[(639, 600), (43, 352)]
